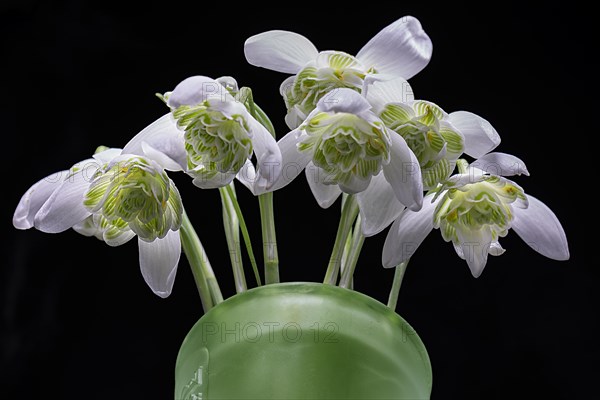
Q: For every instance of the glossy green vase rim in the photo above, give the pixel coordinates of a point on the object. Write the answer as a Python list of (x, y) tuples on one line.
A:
[(311, 288)]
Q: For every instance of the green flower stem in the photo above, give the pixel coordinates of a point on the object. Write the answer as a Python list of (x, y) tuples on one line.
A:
[(398, 276), (231, 224), (346, 253), (357, 243), (231, 195), (349, 213), (269, 238), (200, 265)]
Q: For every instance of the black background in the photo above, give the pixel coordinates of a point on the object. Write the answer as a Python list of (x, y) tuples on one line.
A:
[(77, 320)]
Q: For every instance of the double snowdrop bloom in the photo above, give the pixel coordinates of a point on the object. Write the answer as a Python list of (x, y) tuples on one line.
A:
[(402, 49), (113, 197), (475, 208), (436, 138), (211, 136), (344, 146)]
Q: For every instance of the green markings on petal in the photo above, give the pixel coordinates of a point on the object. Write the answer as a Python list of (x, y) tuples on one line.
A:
[(214, 142), (332, 70), (434, 141), (346, 146), (135, 194), (482, 205)]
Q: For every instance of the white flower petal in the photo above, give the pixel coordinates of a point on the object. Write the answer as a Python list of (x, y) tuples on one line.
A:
[(501, 164), (228, 82), (219, 179), (475, 245), (158, 262), (88, 228), (247, 176), (65, 207), (401, 49), (378, 206), (197, 89), (280, 51), (407, 233), (107, 155), (480, 136), (343, 100), (293, 161), (325, 195), (120, 239), (404, 173), (34, 198), (496, 249), (168, 153), (268, 156), (393, 91), (162, 130), (540, 229), (355, 185)]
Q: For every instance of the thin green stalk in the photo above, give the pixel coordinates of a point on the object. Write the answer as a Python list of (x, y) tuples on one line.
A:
[(244, 229), (197, 258), (398, 276), (269, 238), (357, 243), (231, 224), (349, 213)]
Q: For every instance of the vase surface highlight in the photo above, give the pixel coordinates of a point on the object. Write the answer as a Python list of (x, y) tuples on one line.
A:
[(302, 341)]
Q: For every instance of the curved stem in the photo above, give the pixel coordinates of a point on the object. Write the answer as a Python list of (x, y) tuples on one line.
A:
[(398, 276), (201, 269), (349, 213), (357, 243), (269, 238), (244, 229), (231, 224)]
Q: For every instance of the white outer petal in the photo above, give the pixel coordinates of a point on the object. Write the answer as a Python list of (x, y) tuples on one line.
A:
[(378, 206), (293, 161), (404, 173), (161, 135), (501, 164), (475, 247), (197, 89), (401, 49), (538, 226), (393, 91), (65, 207), (280, 51), (158, 262), (325, 195), (480, 136), (107, 155), (407, 233), (34, 198), (268, 155), (219, 180), (343, 100), (247, 176)]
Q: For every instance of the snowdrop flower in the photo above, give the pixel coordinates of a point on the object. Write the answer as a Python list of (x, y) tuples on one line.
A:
[(402, 49), (436, 138), (473, 210), (114, 197), (343, 145), (210, 135)]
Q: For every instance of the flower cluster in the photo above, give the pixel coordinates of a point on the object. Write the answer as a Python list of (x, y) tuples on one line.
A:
[(356, 129)]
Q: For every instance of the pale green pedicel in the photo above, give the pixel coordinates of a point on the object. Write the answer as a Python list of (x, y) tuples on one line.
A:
[(134, 193), (435, 143)]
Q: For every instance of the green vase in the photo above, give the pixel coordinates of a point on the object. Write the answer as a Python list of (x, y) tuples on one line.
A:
[(302, 341)]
